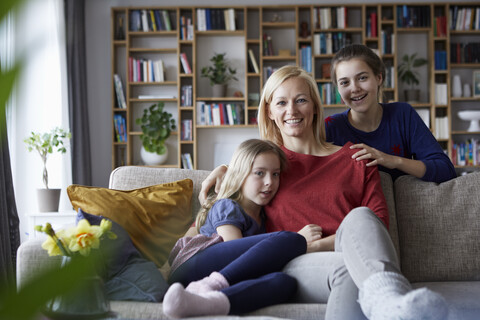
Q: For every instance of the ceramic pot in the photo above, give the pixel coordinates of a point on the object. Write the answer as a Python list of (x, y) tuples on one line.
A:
[(457, 86), (48, 199), (219, 90), (412, 95), (466, 90), (153, 159)]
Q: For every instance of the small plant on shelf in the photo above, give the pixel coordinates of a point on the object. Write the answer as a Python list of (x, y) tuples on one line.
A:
[(408, 74), (220, 71), (157, 126)]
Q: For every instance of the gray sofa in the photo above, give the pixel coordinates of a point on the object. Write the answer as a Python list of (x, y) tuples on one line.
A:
[(435, 229)]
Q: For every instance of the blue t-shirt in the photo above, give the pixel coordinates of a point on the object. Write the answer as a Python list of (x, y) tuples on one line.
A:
[(401, 133), (227, 211)]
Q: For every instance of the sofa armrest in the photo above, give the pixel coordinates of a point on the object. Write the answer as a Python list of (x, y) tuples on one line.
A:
[(31, 258)]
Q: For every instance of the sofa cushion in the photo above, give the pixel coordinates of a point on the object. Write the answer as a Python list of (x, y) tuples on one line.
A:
[(438, 227), (387, 187), (155, 217), (128, 276)]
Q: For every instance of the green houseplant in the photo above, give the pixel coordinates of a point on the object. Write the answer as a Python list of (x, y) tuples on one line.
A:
[(157, 125), (219, 74), (45, 144), (408, 74)]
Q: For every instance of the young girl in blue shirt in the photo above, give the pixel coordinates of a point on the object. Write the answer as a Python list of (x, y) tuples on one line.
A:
[(391, 135), (233, 266)]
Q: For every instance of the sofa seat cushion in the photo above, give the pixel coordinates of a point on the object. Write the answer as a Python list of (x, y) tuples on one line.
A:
[(439, 225), (155, 217)]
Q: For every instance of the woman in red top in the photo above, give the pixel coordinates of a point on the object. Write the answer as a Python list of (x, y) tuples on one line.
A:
[(338, 205)]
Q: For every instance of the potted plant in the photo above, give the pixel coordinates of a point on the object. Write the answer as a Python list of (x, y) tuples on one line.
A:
[(408, 74), (157, 126), (219, 73), (45, 144)]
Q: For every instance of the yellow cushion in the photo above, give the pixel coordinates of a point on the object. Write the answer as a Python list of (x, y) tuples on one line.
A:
[(155, 217)]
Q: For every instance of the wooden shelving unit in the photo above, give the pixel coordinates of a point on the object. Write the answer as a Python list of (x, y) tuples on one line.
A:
[(284, 24)]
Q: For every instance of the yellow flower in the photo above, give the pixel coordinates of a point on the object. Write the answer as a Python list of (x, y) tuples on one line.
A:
[(84, 237), (51, 244)]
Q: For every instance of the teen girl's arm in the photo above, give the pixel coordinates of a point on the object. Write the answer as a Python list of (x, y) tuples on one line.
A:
[(413, 167), (213, 179)]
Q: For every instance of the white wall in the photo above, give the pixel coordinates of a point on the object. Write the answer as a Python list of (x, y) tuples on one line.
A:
[(99, 73)]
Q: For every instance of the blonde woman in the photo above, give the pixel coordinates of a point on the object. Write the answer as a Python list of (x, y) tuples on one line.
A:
[(337, 203), (233, 266)]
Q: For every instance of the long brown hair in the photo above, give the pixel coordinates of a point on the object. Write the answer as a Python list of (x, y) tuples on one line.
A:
[(238, 170)]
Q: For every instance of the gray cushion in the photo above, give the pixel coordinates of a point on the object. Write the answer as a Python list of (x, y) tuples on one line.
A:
[(387, 187), (439, 228)]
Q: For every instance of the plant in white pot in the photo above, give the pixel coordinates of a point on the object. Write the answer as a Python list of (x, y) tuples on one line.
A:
[(157, 125), (219, 73), (45, 144), (408, 74)]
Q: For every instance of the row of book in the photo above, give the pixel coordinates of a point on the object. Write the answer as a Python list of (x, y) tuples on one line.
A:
[(267, 45), (387, 45), (186, 28), (441, 128), (330, 42), (216, 19), (440, 26), (372, 28), (186, 95), (441, 94), (186, 130), (120, 94), (306, 58), (187, 162), (150, 20), (389, 77), (465, 52), (329, 94), (120, 125), (440, 58), (413, 16), (252, 62), (219, 113), (145, 70), (464, 18), (185, 64), (466, 153), (268, 71), (330, 18)]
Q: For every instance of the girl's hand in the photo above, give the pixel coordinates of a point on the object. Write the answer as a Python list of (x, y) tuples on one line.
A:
[(324, 244), (376, 157), (213, 179), (311, 233)]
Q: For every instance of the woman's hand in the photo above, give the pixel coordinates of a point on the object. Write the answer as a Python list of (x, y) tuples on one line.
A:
[(311, 232), (213, 179), (415, 168)]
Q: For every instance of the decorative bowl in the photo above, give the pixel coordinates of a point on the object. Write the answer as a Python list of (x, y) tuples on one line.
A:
[(473, 116)]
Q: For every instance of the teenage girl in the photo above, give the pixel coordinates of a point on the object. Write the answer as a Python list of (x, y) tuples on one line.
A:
[(391, 135), (233, 266)]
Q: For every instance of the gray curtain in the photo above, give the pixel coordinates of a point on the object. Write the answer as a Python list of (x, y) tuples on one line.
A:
[(9, 222), (77, 92)]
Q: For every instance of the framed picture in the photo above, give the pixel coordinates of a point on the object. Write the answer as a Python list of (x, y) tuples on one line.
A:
[(476, 83)]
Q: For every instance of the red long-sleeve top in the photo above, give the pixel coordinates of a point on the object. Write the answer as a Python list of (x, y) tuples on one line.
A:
[(323, 190)]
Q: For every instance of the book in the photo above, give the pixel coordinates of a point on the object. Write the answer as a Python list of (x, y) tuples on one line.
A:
[(185, 64), (119, 92), (253, 61)]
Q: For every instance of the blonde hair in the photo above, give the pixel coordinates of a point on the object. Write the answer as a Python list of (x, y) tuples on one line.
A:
[(268, 129), (238, 170)]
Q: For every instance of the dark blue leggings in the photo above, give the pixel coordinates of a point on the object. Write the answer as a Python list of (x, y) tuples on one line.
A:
[(251, 266)]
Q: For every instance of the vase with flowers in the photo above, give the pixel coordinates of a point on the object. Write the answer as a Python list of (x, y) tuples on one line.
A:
[(88, 300)]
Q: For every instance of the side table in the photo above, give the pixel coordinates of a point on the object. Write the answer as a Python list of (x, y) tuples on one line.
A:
[(58, 220)]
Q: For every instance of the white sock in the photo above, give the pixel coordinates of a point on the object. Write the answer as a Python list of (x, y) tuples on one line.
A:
[(389, 295), (179, 303), (214, 282)]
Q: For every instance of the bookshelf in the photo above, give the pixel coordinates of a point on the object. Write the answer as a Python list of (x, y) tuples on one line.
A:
[(262, 38)]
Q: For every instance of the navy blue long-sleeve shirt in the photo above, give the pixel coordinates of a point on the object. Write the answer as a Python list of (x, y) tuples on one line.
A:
[(401, 133)]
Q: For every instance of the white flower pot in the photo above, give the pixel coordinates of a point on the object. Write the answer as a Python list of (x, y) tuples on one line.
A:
[(48, 199), (153, 159), (457, 86)]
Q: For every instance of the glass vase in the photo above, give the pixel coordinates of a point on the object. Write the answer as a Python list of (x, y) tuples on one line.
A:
[(88, 300)]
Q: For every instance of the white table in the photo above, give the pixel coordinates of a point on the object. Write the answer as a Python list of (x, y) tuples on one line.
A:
[(58, 220)]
